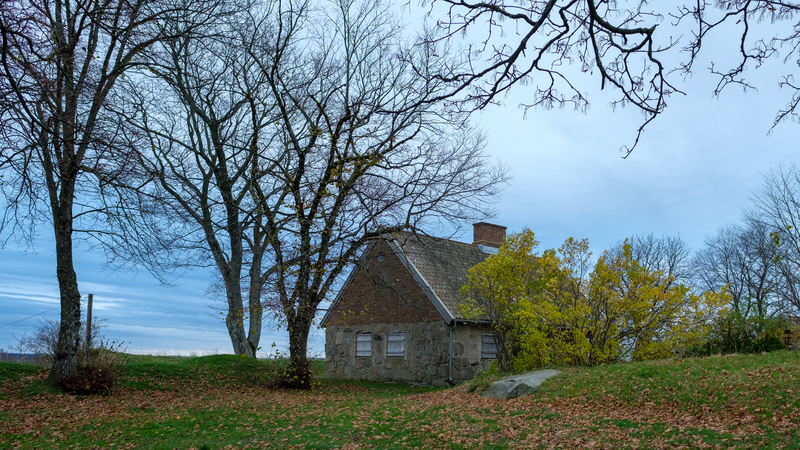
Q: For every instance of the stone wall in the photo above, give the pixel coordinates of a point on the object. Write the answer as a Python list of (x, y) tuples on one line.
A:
[(425, 360), (467, 359)]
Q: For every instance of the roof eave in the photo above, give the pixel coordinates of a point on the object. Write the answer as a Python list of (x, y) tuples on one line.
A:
[(482, 322)]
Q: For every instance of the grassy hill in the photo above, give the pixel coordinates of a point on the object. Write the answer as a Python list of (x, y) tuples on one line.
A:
[(738, 401)]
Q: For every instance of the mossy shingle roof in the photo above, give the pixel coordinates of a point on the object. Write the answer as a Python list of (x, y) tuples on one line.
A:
[(441, 266), (438, 265)]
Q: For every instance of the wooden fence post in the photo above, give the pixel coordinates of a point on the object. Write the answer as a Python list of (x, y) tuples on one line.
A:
[(88, 330)]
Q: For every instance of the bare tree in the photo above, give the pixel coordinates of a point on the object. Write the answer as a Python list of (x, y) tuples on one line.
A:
[(197, 112), (60, 61), (776, 209), (667, 255), (787, 302), (765, 29), (359, 152), (534, 42), (743, 258), (286, 140)]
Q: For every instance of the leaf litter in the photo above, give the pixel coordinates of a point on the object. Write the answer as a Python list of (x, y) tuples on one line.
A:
[(348, 416)]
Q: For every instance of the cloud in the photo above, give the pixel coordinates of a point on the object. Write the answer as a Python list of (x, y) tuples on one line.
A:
[(30, 297), (691, 173)]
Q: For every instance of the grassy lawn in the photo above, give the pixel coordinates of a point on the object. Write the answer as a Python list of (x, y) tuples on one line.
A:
[(741, 401)]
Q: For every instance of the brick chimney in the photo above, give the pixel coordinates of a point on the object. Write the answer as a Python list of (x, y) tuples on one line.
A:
[(488, 234)]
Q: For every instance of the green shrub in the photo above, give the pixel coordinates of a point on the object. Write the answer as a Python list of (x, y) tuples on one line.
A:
[(731, 332), (271, 374)]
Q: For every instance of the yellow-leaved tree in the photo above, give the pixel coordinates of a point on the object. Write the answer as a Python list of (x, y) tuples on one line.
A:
[(551, 309), (641, 314), (499, 290)]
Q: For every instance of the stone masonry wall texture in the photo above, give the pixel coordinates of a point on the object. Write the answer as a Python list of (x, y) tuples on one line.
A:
[(383, 297), (425, 360)]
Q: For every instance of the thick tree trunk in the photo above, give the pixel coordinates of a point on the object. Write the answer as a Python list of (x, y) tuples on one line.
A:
[(256, 310), (298, 374), (234, 321), (66, 355), (230, 270), (238, 339)]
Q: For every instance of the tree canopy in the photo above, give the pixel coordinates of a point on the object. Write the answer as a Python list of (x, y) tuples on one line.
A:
[(552, 309)]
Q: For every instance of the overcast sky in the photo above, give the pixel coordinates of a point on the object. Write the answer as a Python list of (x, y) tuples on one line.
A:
[(691, 173)]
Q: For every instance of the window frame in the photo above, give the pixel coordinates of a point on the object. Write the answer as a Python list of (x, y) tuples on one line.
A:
[(486, 346), (397, 337), (366, 350)]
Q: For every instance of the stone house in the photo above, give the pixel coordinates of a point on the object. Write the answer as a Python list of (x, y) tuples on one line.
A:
[(398, 316)]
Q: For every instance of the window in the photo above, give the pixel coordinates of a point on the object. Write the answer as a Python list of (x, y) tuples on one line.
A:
[(364, 344), (488, 346), (396, 344)]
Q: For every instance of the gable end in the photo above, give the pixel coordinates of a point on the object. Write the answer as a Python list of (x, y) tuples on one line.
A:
[(381, 289)]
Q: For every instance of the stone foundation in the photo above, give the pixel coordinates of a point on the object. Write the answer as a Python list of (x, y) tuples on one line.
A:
[(425, 360)]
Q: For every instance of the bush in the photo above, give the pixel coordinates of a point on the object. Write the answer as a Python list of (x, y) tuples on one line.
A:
[(90, 380), (269, 374), (554, 309), (731, 332), (44, 339), (98, 374)]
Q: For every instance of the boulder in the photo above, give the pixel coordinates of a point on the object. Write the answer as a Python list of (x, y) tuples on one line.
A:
[(518, 385)]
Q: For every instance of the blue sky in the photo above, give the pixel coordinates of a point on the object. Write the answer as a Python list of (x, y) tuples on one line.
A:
[(691, 173)]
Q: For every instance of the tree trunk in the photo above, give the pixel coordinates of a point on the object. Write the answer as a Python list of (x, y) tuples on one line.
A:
[(298, 374), (66, 355), (256, 310), (234, 321)]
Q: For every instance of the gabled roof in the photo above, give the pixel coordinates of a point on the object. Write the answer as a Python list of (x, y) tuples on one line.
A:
[(438, 265)]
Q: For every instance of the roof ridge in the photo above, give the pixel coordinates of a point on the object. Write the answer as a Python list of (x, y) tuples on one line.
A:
[(438, 238)]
